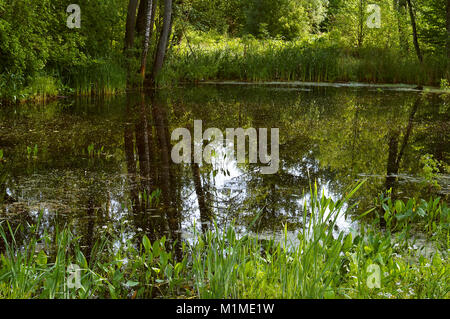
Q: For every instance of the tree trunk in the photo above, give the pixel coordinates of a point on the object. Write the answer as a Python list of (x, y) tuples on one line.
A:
[(414, 28), (448, 29), (130, 24), (361, 24), (141, 19), (162, 44), (401, 19), (151, 5)]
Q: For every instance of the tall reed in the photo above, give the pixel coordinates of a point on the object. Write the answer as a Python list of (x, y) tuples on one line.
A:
[(276, 60)]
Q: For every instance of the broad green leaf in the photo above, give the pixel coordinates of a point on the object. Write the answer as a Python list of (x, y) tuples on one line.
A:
[(131, 283), (146, 243)]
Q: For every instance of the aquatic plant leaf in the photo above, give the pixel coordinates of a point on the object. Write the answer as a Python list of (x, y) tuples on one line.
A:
[(146, 243), (131, 283)]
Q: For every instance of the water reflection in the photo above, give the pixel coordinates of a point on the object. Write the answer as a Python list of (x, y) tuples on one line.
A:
[(129, 186), (395, 155), (153, 186)]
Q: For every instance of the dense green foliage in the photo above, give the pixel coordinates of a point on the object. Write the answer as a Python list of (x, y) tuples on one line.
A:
[(40, 55), (39, 52)]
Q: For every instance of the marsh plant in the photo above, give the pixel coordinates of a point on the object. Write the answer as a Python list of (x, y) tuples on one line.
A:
[(32, 152), (224, 263), (445, 84), (431, 170), (92, 152)]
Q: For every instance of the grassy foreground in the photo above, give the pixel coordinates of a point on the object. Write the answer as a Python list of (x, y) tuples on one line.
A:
[(222, 264)]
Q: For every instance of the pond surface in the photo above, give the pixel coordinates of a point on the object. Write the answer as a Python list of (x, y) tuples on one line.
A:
[(103, 164)]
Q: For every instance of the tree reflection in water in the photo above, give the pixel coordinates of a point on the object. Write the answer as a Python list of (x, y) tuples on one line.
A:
[(131, 187)]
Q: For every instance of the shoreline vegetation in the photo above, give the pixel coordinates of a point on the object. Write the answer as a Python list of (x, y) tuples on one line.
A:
[(220, 263), (254, 60), (248, 61), (46, 52)]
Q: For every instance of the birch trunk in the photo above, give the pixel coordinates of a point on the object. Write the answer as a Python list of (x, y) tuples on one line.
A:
[(148, 34)]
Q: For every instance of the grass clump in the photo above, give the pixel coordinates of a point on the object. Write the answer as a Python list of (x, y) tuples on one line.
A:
[(99, 77)]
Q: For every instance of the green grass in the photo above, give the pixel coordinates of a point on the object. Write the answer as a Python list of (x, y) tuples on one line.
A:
[(277, 60), (41, 87), (99, 77), (221, 263), (96, 77)]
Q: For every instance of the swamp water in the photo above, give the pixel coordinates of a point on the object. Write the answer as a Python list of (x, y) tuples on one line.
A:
[(103, 165)]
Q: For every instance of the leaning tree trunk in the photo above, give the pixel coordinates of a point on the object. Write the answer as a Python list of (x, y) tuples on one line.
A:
[(162, 44), (151, 6), (414, 28)]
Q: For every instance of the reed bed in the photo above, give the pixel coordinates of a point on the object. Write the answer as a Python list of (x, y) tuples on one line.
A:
[(276, 60)]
